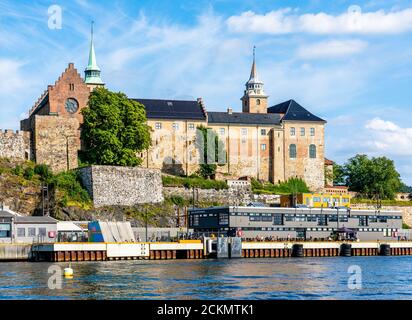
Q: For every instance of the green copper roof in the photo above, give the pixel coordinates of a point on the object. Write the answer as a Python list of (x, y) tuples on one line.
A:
[(92, 72)]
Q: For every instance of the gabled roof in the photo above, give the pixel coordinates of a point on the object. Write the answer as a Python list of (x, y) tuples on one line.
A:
[(6, 214), (173, 109), (293, 111), (243, 118)]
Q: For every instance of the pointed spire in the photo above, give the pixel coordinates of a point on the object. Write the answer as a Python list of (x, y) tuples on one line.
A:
[(253, 72), (92, 72)]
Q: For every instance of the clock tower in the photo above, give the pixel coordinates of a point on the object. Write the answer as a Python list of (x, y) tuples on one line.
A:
[(254, 99)]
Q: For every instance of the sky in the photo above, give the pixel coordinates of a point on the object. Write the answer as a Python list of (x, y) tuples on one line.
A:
[(348, 62)]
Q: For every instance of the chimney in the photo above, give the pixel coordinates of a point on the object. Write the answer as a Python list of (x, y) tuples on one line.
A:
[(229, 110)]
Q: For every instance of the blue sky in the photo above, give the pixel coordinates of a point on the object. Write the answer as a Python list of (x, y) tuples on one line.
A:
[(350, 65)]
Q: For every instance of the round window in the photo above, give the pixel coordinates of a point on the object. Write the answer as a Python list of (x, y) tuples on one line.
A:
[(71, 105)]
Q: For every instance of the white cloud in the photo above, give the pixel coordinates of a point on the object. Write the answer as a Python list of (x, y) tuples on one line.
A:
[(284, 21), (11, 78), (331, 49), (387, 137)]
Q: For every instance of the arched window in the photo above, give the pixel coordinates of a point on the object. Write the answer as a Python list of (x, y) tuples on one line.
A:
[(258, 102), (312, 151), (292, 151)]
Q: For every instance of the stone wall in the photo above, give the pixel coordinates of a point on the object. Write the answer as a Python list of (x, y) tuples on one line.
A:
[(15, 145), (56, 141), (122, 186)]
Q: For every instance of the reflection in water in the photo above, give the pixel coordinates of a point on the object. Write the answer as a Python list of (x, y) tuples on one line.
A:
[(288, 278)]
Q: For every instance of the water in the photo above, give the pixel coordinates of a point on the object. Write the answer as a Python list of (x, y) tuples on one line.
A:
[(282, 278)]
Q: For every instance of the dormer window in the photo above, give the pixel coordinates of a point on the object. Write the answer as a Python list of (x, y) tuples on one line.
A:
[(170, 103)]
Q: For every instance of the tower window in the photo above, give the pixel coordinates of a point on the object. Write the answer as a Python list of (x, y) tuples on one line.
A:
[(71, 86), (292, 151), (312, 151), (292, 131), (258, 102)]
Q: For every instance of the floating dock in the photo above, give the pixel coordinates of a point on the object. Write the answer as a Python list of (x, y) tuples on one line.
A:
[(195, 249)]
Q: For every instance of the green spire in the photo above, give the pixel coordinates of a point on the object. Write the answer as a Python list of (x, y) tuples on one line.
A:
[(92, 72)]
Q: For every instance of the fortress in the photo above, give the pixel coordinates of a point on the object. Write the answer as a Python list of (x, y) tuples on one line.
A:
[(270, 143)]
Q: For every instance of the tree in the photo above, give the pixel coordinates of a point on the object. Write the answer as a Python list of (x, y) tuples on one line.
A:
[(114, 130), (374, 178), (338, 174), (212, 151)]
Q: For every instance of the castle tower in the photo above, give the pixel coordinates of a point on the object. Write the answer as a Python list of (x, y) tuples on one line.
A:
[(92, 72), (254, 99)]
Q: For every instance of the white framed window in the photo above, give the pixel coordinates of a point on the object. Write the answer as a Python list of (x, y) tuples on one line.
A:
[(175, 126), (312, 132), (21, 232), (292, 131), (158, 125), (302, 132), (263, 146), (222, 131), (191, 126)]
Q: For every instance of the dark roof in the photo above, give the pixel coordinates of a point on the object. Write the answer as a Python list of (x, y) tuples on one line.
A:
[(172, 109), (293, 111), (35, 219), (243, 118)]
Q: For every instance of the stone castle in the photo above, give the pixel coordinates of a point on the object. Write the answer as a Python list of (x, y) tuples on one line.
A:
[(270, 143)]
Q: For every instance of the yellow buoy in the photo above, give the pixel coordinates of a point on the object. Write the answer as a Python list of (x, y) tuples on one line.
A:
[(68, 272)]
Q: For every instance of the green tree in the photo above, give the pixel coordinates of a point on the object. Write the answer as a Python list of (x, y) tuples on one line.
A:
[(115, 129), (339, 177), (211, 149), (373, 178)]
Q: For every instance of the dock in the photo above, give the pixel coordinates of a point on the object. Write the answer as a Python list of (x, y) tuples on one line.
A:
[(213, 248)]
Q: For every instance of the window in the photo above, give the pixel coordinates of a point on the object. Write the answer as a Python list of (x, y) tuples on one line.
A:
[(191, 126), (263, 132), (32, 232), (267, 217), (258, 102), (5, 230), (373, 219), (363, 221), (223, 219), (278, 219), (244, 131), (222, 131), (175, 126), (302, 132), (195, 220), (263, 146), (21, 232), (312, 131), (322, 220), (42, 232), (292, 151), (255, 217), (312, 151), (383, 219), (71, 86), (158, 126), (292, 131)]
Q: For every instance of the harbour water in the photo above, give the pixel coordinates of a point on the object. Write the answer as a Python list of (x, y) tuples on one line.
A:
[(283, 278)]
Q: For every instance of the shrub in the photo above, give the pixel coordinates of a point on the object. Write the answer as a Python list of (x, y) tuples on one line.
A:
[(69, 183), (43, 171), (28, 173), (18, 170)]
